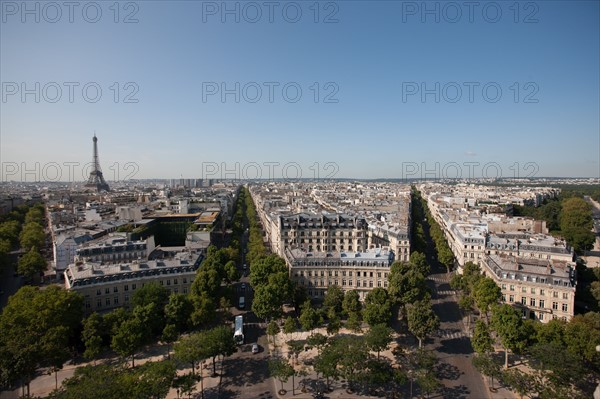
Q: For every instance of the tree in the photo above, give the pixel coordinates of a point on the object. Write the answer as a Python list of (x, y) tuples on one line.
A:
[(378, 307), (353, 357), (422, 320), (267, 302), (333, 322), (273, 329), (261, 269), (317, 341), (576, 223), (289, 326), (9, 231), (419, 260), (507, 323), (558, 366), (102, 381), (309, 317), (351, 302), (231, 272), (191, 349), (406, 283), (35, 214), (154, 379), (378, 338), (582, 335), (91, 336), (518, 381), (32, 264), (486, 365), (151, 293), (37, 326), (32, 235), (204, 309), (280, 369), (326, 363), (218, 341), (486, 293), (169, 335), (482, 341), (354, 322), (129, 338), (334, 298), (178, 311)]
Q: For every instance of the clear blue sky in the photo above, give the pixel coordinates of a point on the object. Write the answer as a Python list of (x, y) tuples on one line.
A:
[(375, 61)]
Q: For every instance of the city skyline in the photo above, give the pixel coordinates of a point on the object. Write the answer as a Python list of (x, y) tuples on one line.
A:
[(389, 89)]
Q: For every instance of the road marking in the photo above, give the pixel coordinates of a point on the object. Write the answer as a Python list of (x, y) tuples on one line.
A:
[(445, 334)]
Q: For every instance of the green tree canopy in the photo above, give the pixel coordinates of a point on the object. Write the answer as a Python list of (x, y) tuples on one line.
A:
[(507, 323), (351, 302), (378, 307), (422, 320), (37, 326), (378, 338), (32, 264)]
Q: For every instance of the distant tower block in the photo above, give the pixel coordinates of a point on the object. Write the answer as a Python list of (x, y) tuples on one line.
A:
[(96, 179)]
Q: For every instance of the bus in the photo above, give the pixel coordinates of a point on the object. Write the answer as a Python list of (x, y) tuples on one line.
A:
[(238, 335)]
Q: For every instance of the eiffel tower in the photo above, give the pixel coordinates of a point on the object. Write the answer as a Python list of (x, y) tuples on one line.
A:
[(96, 179)]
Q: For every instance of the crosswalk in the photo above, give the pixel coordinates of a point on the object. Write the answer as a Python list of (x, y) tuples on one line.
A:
[(445, 292), (438, 279), (453, 334)]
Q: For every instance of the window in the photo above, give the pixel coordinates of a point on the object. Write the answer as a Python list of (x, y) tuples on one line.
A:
[(371, 283), (542, 292), (532, 302), (133, 286), (115, 289), (564, 307), (99, 303), (524, 300), (565, 295), (126, 298), (503, 297), (343, 282), (185, 290), (174, 281), (185, 280), (503, 286), (350, 282), (533, 290), (126, 288), (524, 290), (555, 305), (169, 282), (379, 283), (511, 298), (541, 316), (116, 300), (512, 287), (541, 303), (98, 292), (107, 290), (107, 301), (555, 294)]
